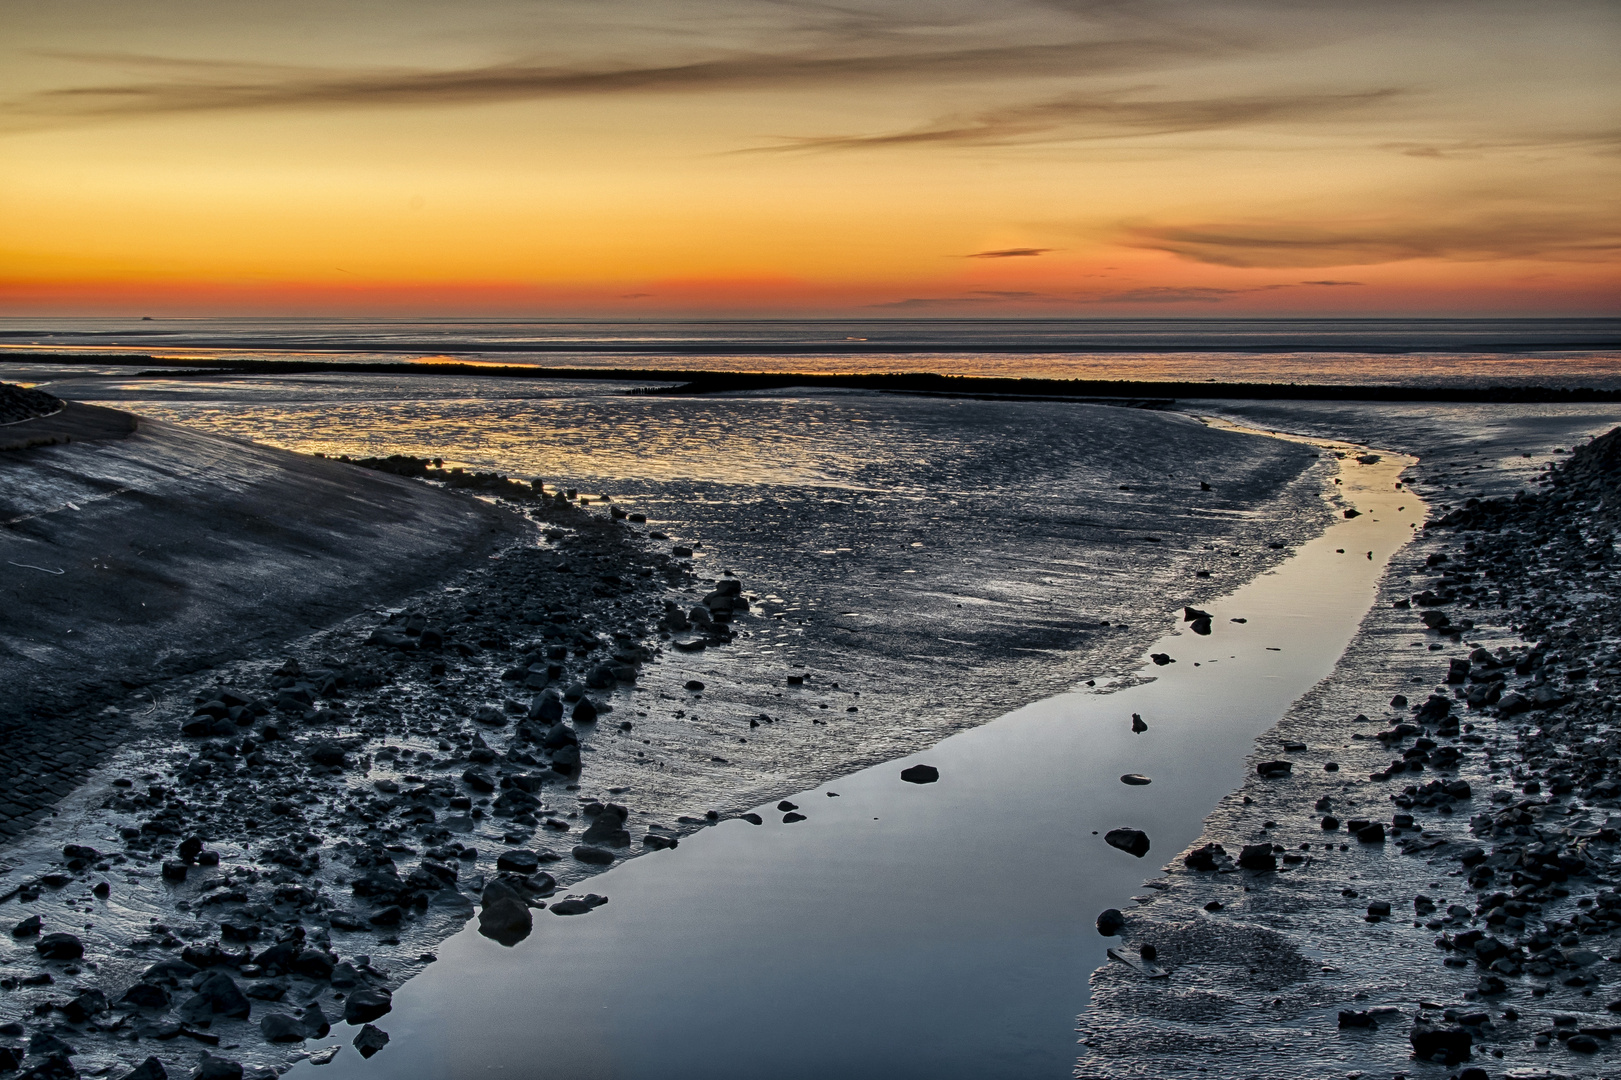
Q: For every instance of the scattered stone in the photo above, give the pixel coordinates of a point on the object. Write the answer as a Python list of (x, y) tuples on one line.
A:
[(920, 774), (1131, 841)]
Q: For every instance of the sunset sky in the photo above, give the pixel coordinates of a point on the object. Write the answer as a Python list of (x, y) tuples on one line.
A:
[(745, 157)]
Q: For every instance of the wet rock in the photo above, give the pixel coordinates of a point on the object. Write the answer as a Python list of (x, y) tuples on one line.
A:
[(145, 995), (505, 917), (1433, 1041), (364, 1006), (1131, 841), (314, 1019), (60, 946), (752, 818), (593, 855), (1133, 779), (1274, 769), (1205, 859), (28, 927), (150, 1069), (217, 1068), (370, 1040), (1110, 922), (518, 862), (608, 828), (920, 774), (282, 1027), (1257, 857), (1161, 659), (1357, 1019), (1137, 724)]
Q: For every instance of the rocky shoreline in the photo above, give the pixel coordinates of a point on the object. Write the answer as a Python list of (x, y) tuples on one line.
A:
[(309, 822), (1428, 889)]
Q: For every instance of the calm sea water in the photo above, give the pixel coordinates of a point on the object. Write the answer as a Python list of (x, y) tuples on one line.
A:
[(1559, 352)]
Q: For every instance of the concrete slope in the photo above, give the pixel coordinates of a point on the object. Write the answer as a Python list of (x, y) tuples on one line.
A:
[(133, 550)]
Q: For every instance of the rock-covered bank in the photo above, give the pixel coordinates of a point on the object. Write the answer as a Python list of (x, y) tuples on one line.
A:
[(134, 551), (1429, 889)]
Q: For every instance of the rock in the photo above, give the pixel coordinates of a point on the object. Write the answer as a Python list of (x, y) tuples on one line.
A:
[(1193, 614), (224, 997), (585, 712), (1135, 779), (786, 806), (1352, 512), (316, 1024), (364, 1006), (789, 819), (608, 828), (1131, 841), (1373, 833), (217, 1068), (370, 1040), (282, 1027), (175, 870), (28, 927), (150, 1069), (1137, 724), (752, 819), (572, 907), (920, 774), (1161, 659), (1428, 1040), (59, 947), (1274, 769), (1399, 701), (145, 995), (518, 862), (1257, 857), (1204, 859), (1111, 922), (1359, 1019), (490, 716), (1330, 823), (504, 917), (594, 855)]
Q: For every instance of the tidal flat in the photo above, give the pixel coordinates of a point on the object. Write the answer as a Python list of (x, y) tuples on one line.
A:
[(911, 570)]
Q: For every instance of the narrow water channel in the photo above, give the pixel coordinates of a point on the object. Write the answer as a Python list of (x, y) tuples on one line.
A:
[(904, 931)]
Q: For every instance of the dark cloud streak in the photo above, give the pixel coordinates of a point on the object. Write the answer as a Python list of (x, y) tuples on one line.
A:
[(1108, 116), (217, 86), (1557, 236)]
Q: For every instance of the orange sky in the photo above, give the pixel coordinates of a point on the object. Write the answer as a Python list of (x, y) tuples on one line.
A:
[(1065, 157)]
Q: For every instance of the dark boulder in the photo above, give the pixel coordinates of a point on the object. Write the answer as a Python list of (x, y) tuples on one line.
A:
[(364, 1006), (920, 774), (1131, 841), (1111, 922)]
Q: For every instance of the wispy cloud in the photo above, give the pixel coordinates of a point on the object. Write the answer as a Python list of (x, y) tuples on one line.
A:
[(1009, 253), (1146, 295), (1109, 115), (1558, 236), (194, 86)]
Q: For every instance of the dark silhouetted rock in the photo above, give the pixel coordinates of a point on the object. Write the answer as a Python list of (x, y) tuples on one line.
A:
[(1131, 841), (1111, 922), (364, 1006), (1135, 779), (59, 947), (920, 774), (370, 1040)]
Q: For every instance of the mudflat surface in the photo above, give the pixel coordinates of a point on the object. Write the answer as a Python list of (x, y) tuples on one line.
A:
[(139, 551), (1499, 896)]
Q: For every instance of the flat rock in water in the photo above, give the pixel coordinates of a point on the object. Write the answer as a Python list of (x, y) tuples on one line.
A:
[(1135, 779), (1131, 841), (920, 774)]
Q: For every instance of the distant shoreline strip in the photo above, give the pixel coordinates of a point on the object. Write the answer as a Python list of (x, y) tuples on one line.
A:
[(1138, 394)]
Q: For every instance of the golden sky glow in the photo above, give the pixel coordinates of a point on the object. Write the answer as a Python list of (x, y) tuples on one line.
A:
[(1063, 157)]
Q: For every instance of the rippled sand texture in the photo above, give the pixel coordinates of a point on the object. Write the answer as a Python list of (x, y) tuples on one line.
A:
[(947, 560)]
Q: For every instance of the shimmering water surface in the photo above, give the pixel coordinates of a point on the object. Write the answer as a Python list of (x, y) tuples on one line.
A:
[(1560, 352)]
